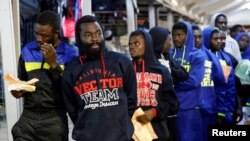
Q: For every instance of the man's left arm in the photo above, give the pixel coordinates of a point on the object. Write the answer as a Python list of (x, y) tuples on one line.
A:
[(168, 99)]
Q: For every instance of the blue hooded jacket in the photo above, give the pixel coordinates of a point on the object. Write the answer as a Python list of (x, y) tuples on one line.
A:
[(213, 77), (160, 90), (244, 89), (226, 94), (189, 91), (246, 53)]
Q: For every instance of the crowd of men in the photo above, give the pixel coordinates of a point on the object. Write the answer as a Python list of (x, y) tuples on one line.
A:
[(183, 79)]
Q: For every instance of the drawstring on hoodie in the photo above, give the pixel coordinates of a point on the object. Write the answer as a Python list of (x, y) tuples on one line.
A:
[(83, 57), (143, 72), (183, 54), (103, 66)]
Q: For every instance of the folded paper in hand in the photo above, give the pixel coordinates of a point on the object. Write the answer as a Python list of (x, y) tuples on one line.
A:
[(16, 84), (143, 132)]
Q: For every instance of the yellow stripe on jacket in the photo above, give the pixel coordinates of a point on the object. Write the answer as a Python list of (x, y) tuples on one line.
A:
[(30, 66)]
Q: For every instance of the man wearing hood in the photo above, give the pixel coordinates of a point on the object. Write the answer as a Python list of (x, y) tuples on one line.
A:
[(243, 91), (213, 78), (154, 84), (162, 44), (238, 114), (243, 40), (226, 100), (189, 92), (219, 20), (99, 88)]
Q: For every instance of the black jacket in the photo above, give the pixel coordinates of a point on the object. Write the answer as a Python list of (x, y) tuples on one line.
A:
[(47, 100), (100, 96), (157, 90)]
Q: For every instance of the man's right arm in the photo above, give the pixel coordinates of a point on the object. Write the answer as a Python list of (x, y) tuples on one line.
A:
[(22, 75), (130, 87), (68, 94)]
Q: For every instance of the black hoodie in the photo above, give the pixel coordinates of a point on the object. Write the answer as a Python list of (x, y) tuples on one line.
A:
[(100, 96), (159, 36), (154, 88)]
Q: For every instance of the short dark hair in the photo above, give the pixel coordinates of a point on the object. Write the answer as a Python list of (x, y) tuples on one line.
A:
[(235, 27), (195, 27), (220, 15), (137, 33), (49, 18), (181, 26), (84, 19)]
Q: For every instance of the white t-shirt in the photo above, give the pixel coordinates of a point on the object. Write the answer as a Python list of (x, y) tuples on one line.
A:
[(232, 48)]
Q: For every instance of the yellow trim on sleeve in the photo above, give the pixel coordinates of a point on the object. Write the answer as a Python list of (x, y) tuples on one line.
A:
[(30, 66), (221, 114)]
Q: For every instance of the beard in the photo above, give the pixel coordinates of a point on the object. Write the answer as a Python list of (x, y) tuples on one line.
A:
[(91, 49)]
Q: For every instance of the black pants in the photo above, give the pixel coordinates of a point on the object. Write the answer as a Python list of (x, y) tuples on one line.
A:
[(50, 129), (172, 127)]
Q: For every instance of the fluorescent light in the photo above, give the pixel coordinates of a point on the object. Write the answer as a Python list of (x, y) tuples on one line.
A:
[(174, 2)]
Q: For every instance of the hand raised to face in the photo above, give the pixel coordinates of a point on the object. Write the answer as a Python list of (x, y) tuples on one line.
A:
[(49, 54)]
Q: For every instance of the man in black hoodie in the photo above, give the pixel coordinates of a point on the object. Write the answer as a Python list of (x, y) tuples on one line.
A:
[(154, 84), (161, 46), (99, 88)]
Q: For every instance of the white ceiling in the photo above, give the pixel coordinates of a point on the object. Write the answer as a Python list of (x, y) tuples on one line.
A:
[(237, 11), (200, 11)]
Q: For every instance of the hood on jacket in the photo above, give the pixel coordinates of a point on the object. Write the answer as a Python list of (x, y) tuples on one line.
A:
[(159, 36), (245, 53), (149, 57), (189, 43), (207, 36), (239, 35), (214, 17)]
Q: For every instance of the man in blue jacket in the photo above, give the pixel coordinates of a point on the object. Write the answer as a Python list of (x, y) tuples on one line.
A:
[(226, 102), (243, 40), (99, 88), (189, 92), (44, 116), (213, 79), (220, 21)]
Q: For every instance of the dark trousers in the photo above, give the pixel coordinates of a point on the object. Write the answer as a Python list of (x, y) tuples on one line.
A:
[(50, 129), (172, 127)]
